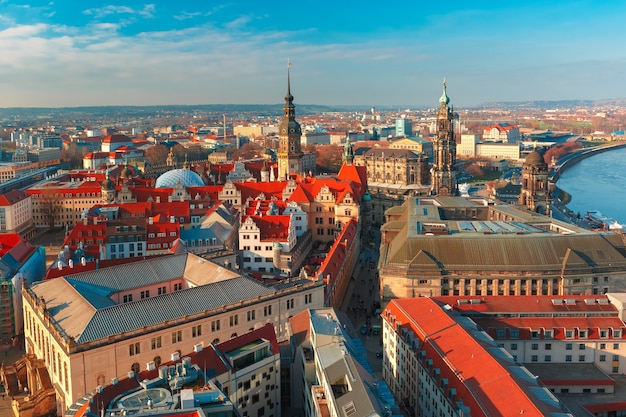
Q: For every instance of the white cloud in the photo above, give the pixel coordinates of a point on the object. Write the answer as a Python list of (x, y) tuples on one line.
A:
[(147, 11), (238, 23)]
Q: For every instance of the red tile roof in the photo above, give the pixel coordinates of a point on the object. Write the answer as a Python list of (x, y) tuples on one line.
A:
[(266, 332), (334, 261), (12, 197), (557, 313), (116, 139), (481, 381), (272, 228), (14, 245), (357, 174)]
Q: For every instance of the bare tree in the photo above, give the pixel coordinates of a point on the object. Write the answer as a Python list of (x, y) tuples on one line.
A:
[(50, 204)]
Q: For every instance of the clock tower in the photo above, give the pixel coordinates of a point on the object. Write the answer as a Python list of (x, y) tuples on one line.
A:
[(289, 133), (443, 173)]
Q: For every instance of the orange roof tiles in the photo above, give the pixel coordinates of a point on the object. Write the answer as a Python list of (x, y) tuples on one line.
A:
[(272, 228), (337, 254), (557, 313), (14, 245), (481, 381)]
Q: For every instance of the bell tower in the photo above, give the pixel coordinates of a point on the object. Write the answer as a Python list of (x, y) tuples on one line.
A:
[(443, 173), (289, 134), (535, 194)]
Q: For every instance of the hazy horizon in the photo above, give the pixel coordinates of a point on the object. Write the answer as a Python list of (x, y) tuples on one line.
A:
[(77, 54)]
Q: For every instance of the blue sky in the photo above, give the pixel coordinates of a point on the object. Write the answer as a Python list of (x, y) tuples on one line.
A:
[(81, 53)]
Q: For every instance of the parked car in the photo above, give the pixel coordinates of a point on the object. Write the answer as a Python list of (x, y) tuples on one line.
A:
[(364, 329)]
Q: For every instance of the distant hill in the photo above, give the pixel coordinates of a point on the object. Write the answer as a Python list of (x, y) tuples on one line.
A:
[(551, 104)]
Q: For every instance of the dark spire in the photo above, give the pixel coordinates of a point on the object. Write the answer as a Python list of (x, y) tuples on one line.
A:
[(288, 97)]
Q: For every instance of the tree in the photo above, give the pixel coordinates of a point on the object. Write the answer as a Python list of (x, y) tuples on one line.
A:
[(50, 205), (157, 154), (248, 151), (329, 158), (475, 170)]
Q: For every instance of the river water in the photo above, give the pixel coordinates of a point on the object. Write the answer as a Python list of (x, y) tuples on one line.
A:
[(598, 183)]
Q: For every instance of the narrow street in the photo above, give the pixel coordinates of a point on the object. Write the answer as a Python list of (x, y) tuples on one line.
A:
[(362, 301)]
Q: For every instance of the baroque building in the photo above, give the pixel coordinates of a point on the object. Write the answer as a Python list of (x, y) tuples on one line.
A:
[(289, 133), (444, 172), (535, 195)]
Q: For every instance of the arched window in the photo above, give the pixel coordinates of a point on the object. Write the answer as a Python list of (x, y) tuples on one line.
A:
[(135, 367), (157, 361)]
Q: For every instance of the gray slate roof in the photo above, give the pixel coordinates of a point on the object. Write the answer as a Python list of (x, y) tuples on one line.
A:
[(82, 307)]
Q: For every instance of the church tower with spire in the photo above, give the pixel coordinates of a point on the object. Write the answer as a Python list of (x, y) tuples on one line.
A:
[(289, 134), (348, 152), (444, 172)]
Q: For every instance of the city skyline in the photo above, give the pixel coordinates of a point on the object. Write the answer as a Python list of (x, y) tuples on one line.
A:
[(70, 53)]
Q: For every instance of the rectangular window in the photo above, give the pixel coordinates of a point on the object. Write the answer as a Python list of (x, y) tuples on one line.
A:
[(534, 346), (251, 315), (500, 334), (581, 358), (513, 346), (155, 342), (548, 346), (602, 358), (514, 333), (568, 358), (215, 325), (178, 287), (133, 349), (161, 290), (145, 294), (568, 346), (177, 336), (548, 358), (128, 298), (533, 358), (603, 346), (267, 310), (615, 345), (615, 358), (234, 320), (581, 346), (196, 331), (308, 298), (290, 304), (569, 334)]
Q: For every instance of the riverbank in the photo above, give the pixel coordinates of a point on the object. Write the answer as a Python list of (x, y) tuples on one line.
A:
[(597, 184), (572, 159)]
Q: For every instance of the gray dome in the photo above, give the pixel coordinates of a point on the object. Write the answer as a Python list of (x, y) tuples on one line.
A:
[(186, 177)]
